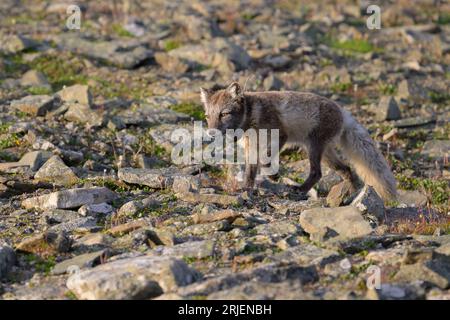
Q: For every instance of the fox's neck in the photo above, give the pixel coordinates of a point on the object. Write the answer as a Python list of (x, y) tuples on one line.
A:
[(248, 120)]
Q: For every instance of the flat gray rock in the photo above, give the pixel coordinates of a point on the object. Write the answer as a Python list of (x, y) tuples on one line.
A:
[(347, 222), (71, 198), (133, 278)]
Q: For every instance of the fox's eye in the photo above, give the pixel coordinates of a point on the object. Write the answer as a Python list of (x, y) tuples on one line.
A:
[(226, 113)]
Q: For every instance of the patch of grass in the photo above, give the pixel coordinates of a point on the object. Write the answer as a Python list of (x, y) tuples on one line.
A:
[(61, 70), (70, 295), (437, 97), (4, 127), (291, 155), (21, 115), (7, 157), (352, 45), (171, 44), (124, 89), (41, 265), (444, 18), (9, 141), (192, 109), (340, 87), (121, 31), (442, 133), (150, 147), (39, 90), (14, 65), (437, 190), (387, 89), (248, 16)]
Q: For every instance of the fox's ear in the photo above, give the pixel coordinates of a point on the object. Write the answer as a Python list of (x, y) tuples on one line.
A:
[(204, 95), (234, 89)]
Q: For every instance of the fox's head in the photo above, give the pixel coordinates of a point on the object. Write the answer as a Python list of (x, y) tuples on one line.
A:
[(224, 108)]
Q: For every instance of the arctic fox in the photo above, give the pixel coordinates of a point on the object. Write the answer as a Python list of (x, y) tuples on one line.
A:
[(306, 119)]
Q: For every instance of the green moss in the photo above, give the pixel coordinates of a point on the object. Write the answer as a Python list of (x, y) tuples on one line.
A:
[(39, 90), (248, 16), (444, 18), (442, 133), (438, 190), (70, 295), (41, 265), (4, 127), (150, 147), (9, 141), (14, 65), (192, 109), (352, 45), (437, 97), (114, 89), (341, 87), (60, 70), (121, 31), (171, 44), (387, 89)]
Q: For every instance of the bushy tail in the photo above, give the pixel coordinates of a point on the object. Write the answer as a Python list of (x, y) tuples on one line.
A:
[(367, 160)]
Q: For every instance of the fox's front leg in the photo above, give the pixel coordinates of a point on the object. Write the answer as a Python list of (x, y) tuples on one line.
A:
[(251, 169)]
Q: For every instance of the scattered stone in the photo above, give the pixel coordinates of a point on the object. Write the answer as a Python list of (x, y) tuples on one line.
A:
[(127, 227), (154, 178), (286, 207), (435, 271), (134, 278), (306, 254), (125, 54), (46, 244), (436, 148), (82, 224), (170, 63), (82, 113), (369, 203), (227, 214), (183, 184), (220, 199), (131, 208), (206, 228), (37, 105), (188, 250), (55, 170), (412, 198), (7, 260), (414, 122), (12, 43), (278, 229), (340, 194), (347, 222), (35, 159), (219, 53), (95, 209), (387, 109), (412, 256), (71, 198), (272, 83), (34, 78), (77, 93), (57, 216), (77, 263)]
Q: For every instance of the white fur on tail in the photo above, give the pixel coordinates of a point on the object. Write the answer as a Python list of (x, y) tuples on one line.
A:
[(368, 161)]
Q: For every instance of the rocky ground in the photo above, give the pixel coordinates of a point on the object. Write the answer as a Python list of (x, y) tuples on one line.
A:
[(92, 208)]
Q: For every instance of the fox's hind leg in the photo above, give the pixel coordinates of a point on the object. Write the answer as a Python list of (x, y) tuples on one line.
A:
[(334, 162), (315, 152)]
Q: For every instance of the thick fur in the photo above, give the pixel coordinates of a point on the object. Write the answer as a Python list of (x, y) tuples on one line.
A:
[(369, 163), (304, 119)]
